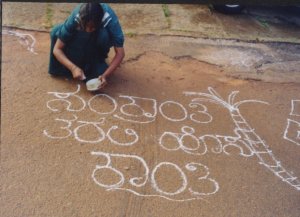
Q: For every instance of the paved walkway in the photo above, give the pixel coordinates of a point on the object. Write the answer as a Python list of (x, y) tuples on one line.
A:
[(180, 138), (254, 24), (239, 44), (173, 133)]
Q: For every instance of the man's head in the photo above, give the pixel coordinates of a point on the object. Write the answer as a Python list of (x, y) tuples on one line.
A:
[(91, 15)]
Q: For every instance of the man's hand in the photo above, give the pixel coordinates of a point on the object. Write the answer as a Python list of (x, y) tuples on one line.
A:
[(103, 81), (78, 73)]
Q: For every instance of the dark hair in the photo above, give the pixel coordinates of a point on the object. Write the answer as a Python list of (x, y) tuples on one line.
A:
[(92, 11)]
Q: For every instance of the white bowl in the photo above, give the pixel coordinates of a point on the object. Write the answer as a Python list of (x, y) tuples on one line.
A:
[(93, 84)]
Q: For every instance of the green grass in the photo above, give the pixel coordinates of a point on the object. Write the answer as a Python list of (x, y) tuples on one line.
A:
[(167, 14), (49, 16), (263, 22), (131, 34), (65, 11), (211, 8), (166, 10)]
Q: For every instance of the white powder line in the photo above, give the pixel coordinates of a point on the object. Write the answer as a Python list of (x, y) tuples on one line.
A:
[(247, 134), (296, 134), (295, 110), (24, 37), (119, 184)]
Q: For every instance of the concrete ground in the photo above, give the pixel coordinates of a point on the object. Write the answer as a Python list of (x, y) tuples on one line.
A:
[(201, 118), (254, 24)]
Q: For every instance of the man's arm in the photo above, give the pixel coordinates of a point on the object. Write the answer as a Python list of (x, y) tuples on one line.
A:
[(63, 59), (119, 55)]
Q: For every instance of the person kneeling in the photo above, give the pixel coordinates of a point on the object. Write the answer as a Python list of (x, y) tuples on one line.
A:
[(81, 44)]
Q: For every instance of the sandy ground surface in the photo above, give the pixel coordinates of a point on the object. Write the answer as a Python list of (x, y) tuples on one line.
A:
[(168, 136), (147, 145)]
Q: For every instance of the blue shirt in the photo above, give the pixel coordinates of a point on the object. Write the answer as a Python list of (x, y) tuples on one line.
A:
[(110, 22)]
